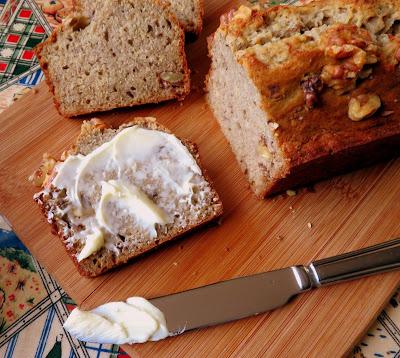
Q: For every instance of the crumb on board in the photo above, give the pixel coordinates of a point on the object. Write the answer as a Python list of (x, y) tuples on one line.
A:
[(309, 225), (280, 237), (291, 192), (387, 113), (175, 264)]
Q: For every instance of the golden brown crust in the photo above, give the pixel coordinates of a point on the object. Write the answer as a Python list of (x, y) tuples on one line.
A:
[(44, 65), (88, 270), (57, 102), (306, 86)]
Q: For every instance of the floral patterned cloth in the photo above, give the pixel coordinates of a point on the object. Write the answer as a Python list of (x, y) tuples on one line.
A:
[(33, 308), (32, 305)]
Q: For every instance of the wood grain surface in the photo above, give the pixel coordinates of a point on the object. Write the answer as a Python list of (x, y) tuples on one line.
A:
[(347, 212)]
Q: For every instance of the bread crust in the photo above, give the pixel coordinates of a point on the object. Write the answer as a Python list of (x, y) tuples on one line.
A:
[(57, 101), (56, 229), (312, 139), (199, 23)]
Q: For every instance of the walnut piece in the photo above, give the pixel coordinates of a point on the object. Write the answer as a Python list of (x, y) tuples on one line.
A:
[(264, 151), (171, 77), (350, 52), (40, 176), (363, 106), (312, 86)]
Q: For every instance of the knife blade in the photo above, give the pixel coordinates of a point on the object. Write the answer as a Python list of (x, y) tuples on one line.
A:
[(251, 295), (231, 300)]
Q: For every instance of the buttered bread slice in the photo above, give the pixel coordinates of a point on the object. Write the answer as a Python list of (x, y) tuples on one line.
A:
[(121, 192), (131, 52)]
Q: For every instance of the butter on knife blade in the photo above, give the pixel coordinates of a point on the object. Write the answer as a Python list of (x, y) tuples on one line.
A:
[(139, 320), (133, 321)]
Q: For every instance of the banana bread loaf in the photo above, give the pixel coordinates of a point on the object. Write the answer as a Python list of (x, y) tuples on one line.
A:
[(304, 92), (121, 192)]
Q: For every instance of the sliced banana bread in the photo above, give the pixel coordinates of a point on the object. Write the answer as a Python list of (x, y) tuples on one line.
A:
[(130, 53), (304, 92), (189, 12), (121, 192)]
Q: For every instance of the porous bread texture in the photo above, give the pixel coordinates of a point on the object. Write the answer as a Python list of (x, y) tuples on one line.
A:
[(188, 12), (132, 240), (242, 121), (273, 88), (130, 53)]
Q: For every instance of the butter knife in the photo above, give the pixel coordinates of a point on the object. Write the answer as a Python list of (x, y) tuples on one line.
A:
[(251, 295)]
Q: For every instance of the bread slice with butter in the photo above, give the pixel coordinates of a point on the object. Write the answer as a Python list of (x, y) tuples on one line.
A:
[(121, 192)]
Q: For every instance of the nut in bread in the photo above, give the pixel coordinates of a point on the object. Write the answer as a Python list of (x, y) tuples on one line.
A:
[(299, 67)]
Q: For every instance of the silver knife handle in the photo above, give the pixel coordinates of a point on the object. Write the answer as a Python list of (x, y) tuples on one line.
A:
[(364, 262)]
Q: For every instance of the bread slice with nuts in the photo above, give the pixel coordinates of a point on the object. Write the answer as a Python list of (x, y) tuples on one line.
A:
[(188, 12), (305, 92), (121, 192), (130, 53)]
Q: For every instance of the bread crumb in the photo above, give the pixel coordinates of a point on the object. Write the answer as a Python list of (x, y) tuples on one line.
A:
[(273, 125), (291, 192), (290, 207), (387, 113), (227, 249), (175, 264), (35, 90), (280, 237), (310, 225)]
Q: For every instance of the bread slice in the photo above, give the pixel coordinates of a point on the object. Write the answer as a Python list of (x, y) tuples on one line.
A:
[(164, 182), (285, 84), (130, 53), (189, 12)]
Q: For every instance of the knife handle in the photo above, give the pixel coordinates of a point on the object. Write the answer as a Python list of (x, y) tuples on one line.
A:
[(371, 260)]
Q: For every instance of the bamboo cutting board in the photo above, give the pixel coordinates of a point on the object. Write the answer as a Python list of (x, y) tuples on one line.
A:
[(347, 212)]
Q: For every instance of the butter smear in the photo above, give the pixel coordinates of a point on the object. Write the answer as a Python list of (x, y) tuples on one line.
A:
[(133, 321), (105, 187)]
